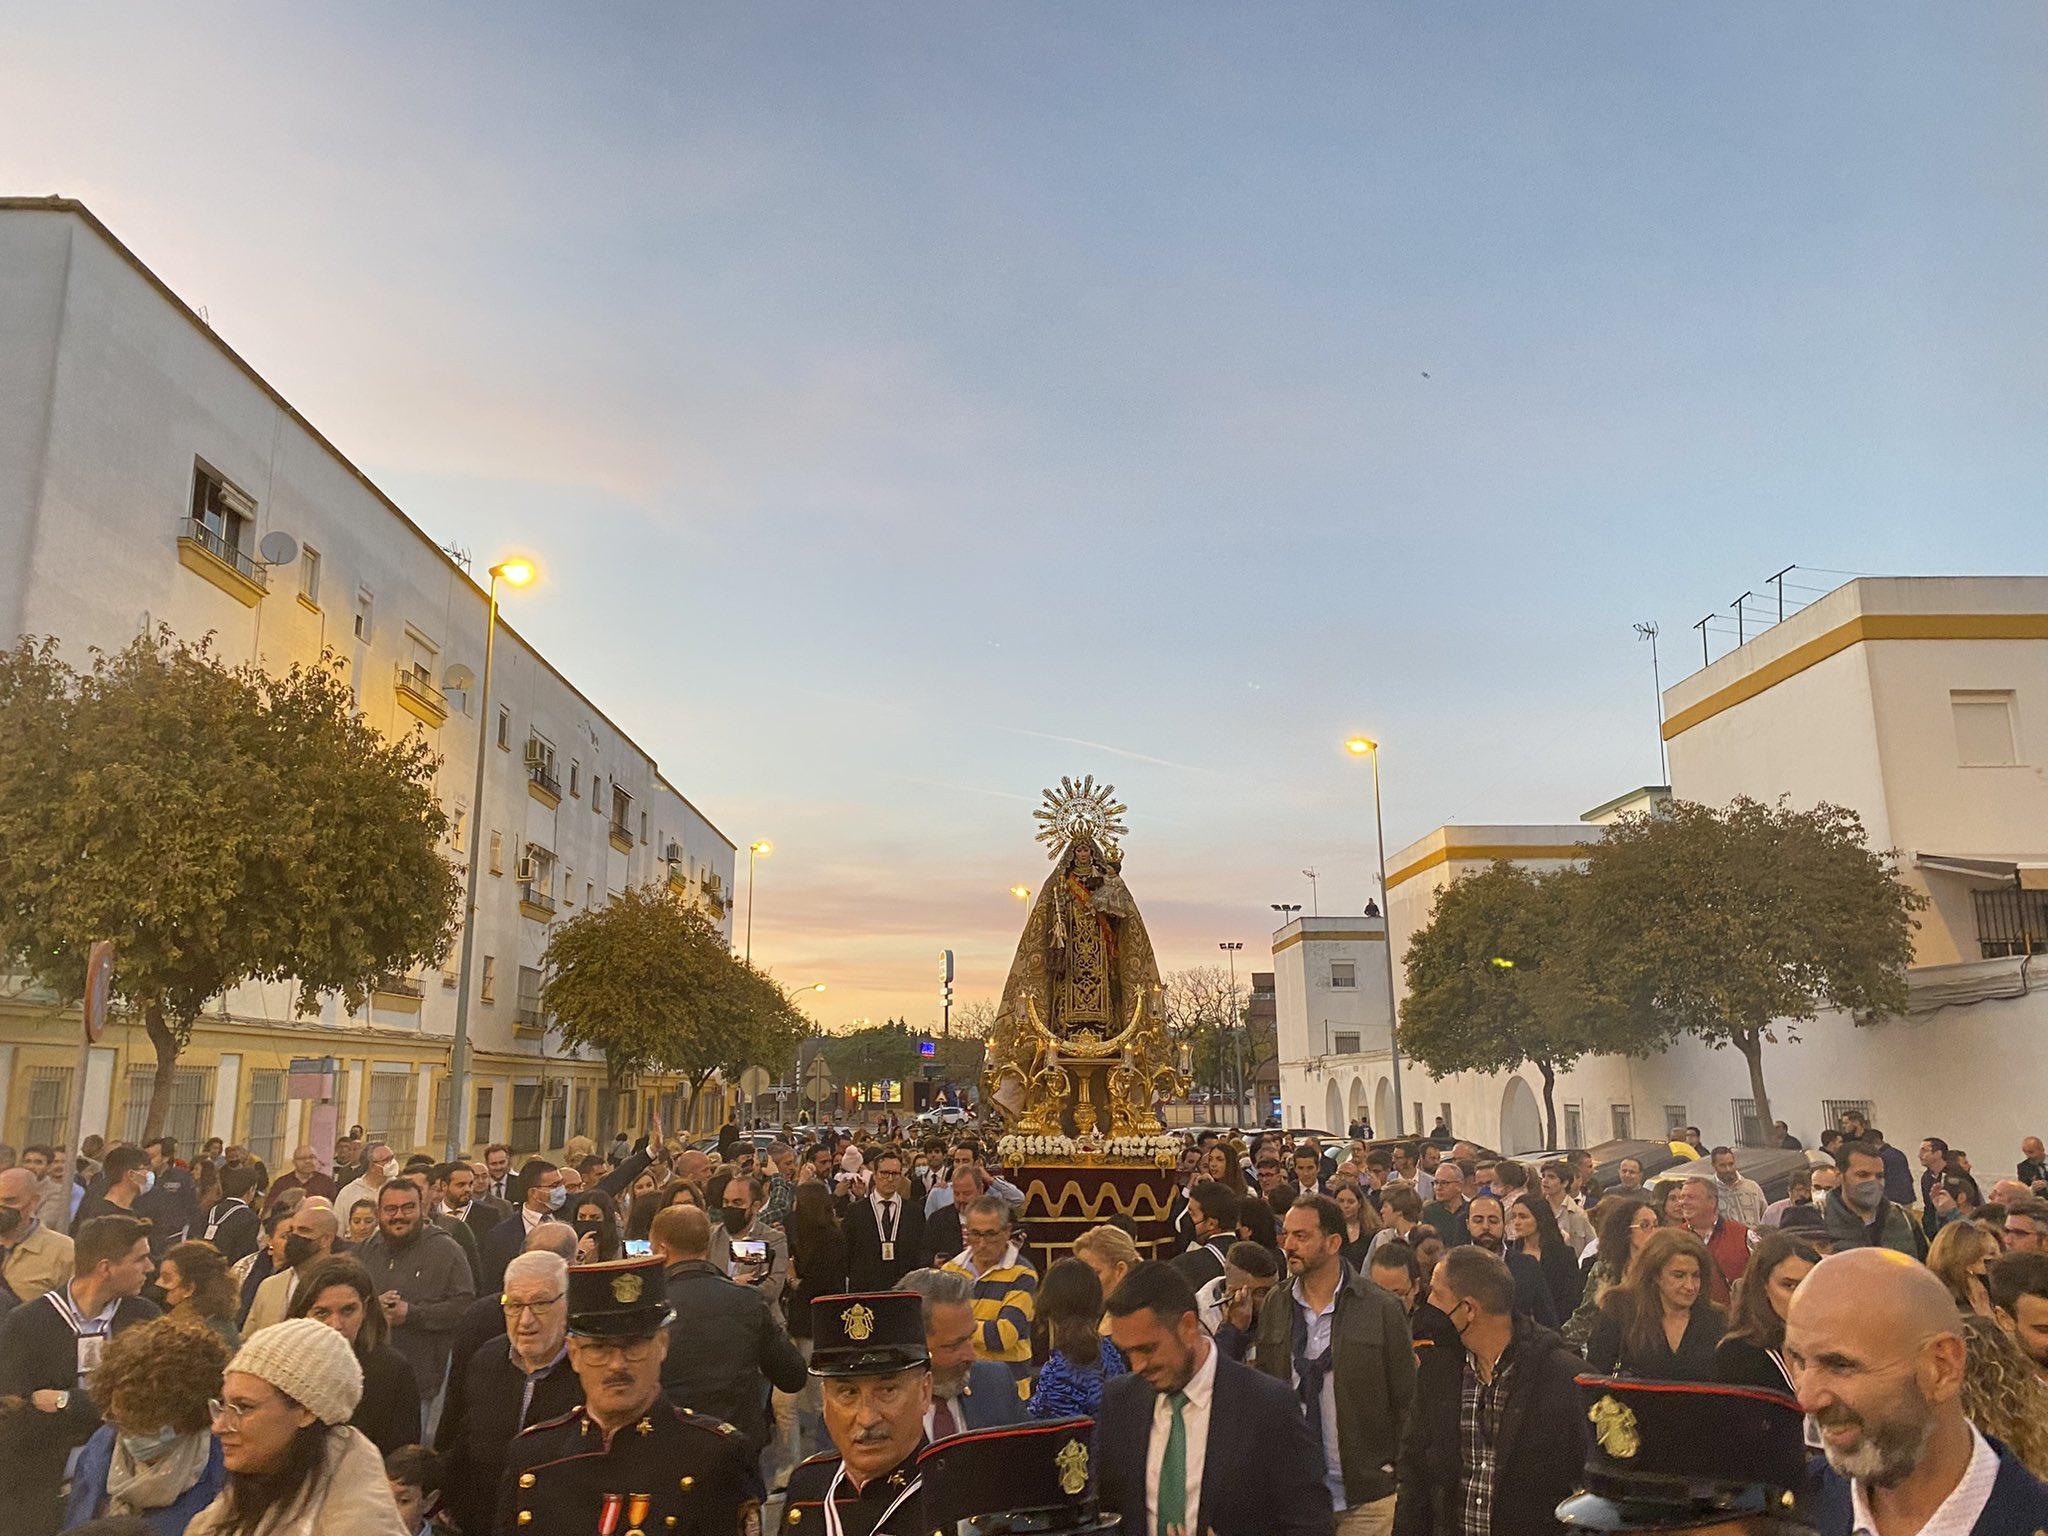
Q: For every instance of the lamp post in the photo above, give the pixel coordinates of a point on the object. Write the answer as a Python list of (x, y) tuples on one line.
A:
[(1286, 909), (1365, 746), (1230, 947), (517, 573), (762, 848)]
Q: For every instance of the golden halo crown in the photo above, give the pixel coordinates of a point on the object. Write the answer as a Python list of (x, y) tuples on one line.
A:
[(1081, 810)]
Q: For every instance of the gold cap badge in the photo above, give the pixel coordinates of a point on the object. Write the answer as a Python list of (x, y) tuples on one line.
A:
[(1614, 1426), (1072, 1462), (859, 1323), (625, 1289)]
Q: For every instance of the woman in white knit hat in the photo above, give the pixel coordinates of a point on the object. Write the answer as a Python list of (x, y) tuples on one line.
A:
[(295, 1467)]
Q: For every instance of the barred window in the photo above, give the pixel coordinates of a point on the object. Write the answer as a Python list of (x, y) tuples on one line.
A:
[(191, 1102), (2011, 922), (266, 1115)]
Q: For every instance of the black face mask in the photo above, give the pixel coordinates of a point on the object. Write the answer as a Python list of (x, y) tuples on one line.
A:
[(10, 1218), (298, 1248), (737, 1218)]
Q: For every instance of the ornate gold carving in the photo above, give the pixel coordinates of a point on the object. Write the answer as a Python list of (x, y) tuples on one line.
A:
[(1072, 1462), (1614, 1426), (1143, 1203), (859, 1323), (626, 1289)]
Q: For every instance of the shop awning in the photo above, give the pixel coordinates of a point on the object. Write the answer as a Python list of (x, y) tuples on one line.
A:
[(2028, 874)]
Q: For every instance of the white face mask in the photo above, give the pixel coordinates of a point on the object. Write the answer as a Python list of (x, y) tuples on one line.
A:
[(148, 1181)]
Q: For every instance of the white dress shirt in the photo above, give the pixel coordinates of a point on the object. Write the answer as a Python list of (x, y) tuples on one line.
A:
[(1194, 1417), (1956, 1515), (888, 1224)]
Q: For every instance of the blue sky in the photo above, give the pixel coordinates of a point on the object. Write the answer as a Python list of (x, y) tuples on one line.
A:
[(912, 405)]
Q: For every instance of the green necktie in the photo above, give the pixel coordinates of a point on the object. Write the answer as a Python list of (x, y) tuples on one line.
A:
[(1173, 1470)]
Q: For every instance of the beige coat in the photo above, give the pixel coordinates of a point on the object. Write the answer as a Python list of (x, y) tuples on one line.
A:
[(39, 1262), (272, 1302), (349, 1498)]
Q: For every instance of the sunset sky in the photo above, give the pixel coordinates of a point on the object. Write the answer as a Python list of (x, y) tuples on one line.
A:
[(911, 405)]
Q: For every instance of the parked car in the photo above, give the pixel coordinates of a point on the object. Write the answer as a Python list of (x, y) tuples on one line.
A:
[(945, 1117)]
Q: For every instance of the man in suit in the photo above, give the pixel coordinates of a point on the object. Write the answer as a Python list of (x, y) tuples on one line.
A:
[(543, 1202), (1212, 1209), (1897, 1441), (309, 1235), (967, 1393), (463, 1200), (499, 1183), (1193, 1440), (884, 1232), (942, 1240)]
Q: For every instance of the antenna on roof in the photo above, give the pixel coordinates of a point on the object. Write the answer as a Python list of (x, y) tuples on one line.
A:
[(1647, 630), (1705, 659), (1778, 581), (458, 554)]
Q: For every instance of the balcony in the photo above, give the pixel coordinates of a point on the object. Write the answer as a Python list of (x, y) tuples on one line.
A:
[(535, 902), (528, 1022), (418, 696), (210, 554), (542, 784), (622, 837), (397, 986)]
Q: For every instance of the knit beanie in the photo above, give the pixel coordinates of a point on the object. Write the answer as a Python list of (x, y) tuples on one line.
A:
[(309, 1363)]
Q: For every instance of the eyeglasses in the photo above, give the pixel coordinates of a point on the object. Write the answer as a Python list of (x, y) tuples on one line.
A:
[(230, 1414), (974, 1235), (604, 1351), (514, 1308)]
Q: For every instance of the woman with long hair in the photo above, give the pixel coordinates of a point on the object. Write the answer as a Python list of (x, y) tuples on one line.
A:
[(1361, 1223), (1533, 1230), (195, 1281), (1667, 1213), (2003, 1394), (597, 1228), (362, 1223), (339, 1293), (1960, 1257), (1658, 1322), (155, 1458), (295, 1467), (1626, 1222), (1067, 1329), (1110, 1252), (1216, 1166), (1752, 1354)]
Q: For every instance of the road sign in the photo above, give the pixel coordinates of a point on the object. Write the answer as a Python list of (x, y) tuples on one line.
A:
[(928, 1048), (99, 989), (818, 1076), (755, 1081)]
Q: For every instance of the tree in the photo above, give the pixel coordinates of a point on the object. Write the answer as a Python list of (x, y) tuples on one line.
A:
[(1208, 1018), (881, 1053), (649, 980), (220, 824), (1738, 925), (1492, 985), (973, 1021)]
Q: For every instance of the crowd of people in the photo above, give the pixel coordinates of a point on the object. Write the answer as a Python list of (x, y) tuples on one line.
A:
[(1353, 1337)]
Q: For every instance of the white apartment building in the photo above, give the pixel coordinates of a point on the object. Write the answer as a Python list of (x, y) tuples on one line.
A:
[(1922, 704), (142, 463), (1330, 1020)]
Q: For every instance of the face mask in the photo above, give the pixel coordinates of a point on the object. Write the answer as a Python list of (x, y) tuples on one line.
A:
[(557, 1198), (1865, 1196), (10, 1218), (298, 1248), (150, 1446), (736, 1217), (148, 1181)]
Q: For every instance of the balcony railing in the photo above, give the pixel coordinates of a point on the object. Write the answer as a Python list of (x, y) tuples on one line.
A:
[(216, 544), (414, 684), (527, 1016), (536, 896), (397, 986), (622, 837), (540, 777)]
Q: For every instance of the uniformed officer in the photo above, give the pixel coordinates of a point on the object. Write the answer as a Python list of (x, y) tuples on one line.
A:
[(868, 1353), (625, 1463), (1687, 1456), (1014, 1480)]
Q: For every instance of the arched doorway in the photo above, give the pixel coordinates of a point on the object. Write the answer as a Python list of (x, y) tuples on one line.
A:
[(1521, 1119), (1383, 1108), (1357, 1111), (1333, 1108)]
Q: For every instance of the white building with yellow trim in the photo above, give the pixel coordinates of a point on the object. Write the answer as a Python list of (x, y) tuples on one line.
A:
[(142, 462), (1922, 704)]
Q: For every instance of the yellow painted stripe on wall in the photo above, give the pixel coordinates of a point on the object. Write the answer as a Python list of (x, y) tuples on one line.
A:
[(1374, 934), (1487, 853), (1869, 626)]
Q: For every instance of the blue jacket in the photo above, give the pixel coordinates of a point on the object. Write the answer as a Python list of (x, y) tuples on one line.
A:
[(1069, 1391), (89, 1488), (2019, 1502)]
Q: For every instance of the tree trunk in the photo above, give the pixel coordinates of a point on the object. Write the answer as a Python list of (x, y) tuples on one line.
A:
[(1549, 1103), (165, 1039), (1751, 1044)]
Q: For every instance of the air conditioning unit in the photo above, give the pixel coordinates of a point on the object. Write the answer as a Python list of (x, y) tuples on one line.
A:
[(529, 870), (536, 754), (673, 853)]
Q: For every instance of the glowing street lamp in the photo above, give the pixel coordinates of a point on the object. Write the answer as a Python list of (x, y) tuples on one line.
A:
[(760, 849), (1365, 746), (1021, 892)]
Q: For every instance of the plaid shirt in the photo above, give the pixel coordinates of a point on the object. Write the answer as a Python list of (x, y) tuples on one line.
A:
[(1480, 1404)]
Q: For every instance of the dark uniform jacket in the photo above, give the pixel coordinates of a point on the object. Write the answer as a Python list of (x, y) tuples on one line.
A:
[(672, 1472), (478, 1427), (860, 1510)]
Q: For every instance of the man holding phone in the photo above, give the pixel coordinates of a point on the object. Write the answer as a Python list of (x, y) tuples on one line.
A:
[(747, 1248)]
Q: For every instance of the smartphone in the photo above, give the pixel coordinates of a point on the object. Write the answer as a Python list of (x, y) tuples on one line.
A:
[(638, 1247), (750, 1250)]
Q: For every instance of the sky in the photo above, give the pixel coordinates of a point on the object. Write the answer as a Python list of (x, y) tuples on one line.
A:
[(912, 405)]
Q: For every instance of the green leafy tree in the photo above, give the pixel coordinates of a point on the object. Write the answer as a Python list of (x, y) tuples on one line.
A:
[(1207, 1016), (1493, 984), (1737, 925), (650, 981), (220, 824), (881, 1053)]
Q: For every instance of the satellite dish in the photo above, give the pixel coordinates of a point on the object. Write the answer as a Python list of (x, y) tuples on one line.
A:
[(278, 548), (459, 679)]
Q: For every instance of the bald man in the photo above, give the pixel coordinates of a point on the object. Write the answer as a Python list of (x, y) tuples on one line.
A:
[(1875, 1346), (309, 1238)]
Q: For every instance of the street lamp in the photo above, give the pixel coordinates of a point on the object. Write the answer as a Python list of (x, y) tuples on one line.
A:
[(1365, 746), (1230, 947), (515, 572), (759, 849), (1021, 892), (1286, 909)]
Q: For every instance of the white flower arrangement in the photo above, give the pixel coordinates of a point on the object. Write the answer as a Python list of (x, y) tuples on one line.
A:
[(1158, 1149), (1163, 1150), (1024, 1149)]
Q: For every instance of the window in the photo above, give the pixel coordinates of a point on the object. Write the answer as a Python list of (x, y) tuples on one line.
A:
[(568, 886), (1344, 1045), (266, 1115), (622, 811), (590, 893), (456, 817), (529, 996), (1742, 1115), (309, 575), (1343, 973), (1674, 1119), (504, 727), (480, 1122), (1443, 1113), (582, 1116), (437, 1115), (1621, 1118), (487, 989), (191, 1104), (558, 1115), (526, 1106), (575, 778), (1574, 1125), (49, 1105), (540, 764), (366, 613), (1985, 737), (389, 1116), (497, 853), (222, 517), (1832, 1110), (2011, 922), (643, 826)]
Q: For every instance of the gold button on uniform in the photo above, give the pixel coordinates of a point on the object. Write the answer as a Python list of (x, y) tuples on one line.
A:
[(526, 1479), (687, 1482), (525, 1517)]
